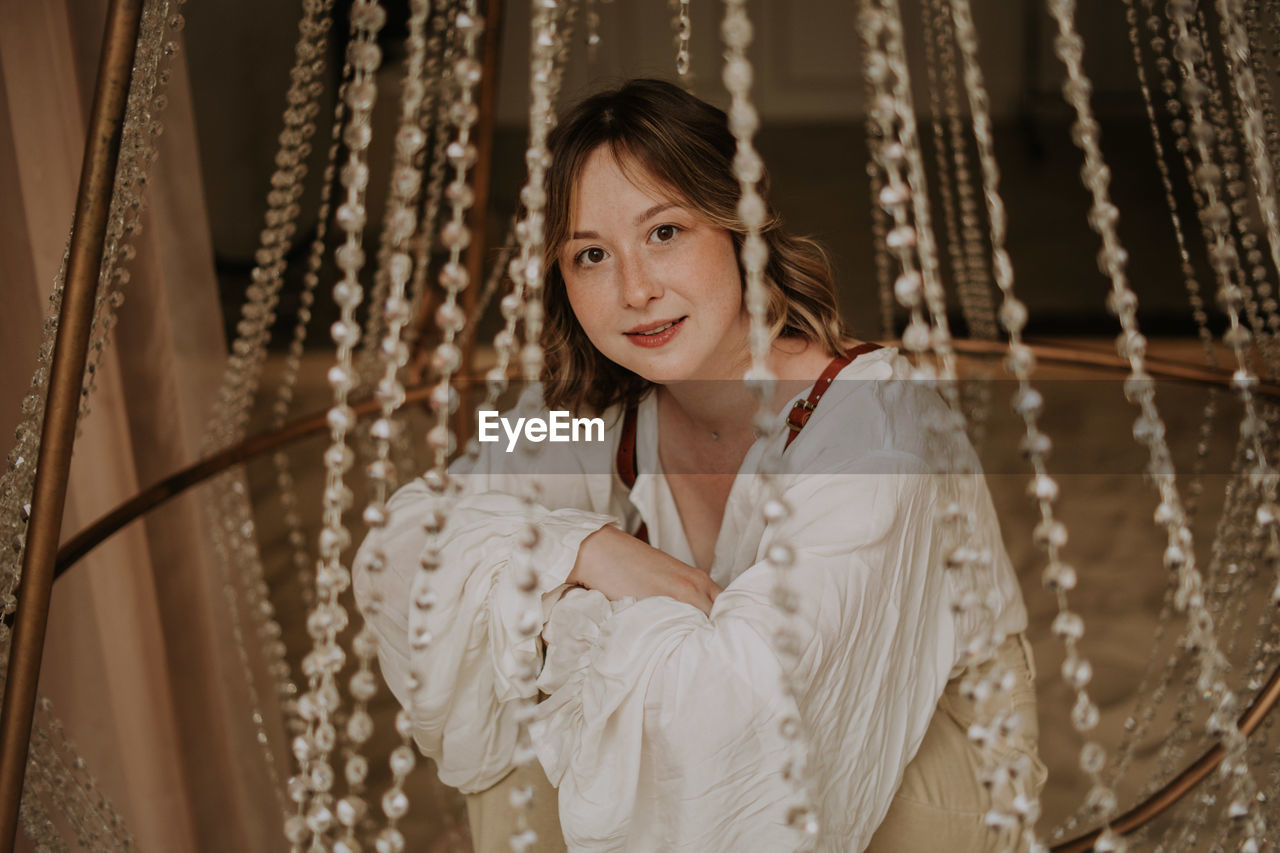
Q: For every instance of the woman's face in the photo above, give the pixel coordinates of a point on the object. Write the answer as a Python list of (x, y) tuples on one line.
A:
[(653, 283)]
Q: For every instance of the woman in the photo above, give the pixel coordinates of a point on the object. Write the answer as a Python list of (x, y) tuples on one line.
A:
[(660, 726)]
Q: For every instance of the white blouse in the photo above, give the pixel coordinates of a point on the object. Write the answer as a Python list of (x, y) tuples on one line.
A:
[(660, 728)]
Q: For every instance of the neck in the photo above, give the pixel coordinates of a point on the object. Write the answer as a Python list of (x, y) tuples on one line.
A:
[(720, 409)]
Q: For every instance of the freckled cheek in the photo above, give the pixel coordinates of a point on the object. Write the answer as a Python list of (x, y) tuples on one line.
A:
[(590, 304), (721, 282)]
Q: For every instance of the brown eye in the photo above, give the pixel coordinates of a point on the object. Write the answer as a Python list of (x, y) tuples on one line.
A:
[(594, 255), (665, 233)]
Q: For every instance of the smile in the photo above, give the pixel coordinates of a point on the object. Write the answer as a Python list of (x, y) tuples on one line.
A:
[(656, 335)]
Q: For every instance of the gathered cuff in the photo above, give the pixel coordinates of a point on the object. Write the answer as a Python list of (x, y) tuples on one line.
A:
[(514, 646), (573, 641)]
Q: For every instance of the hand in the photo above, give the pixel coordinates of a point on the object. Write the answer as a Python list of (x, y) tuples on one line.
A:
[(620, 565)]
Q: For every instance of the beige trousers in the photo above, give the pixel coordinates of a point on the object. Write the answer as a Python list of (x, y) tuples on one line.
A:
[(938, 799)]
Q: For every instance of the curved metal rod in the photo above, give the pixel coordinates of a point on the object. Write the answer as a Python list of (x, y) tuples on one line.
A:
[(91, 536)]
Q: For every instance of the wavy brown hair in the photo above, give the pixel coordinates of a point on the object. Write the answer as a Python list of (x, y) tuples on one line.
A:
[(683, 144)]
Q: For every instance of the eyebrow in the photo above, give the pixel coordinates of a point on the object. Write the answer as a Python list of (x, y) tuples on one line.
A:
[(648, 214)]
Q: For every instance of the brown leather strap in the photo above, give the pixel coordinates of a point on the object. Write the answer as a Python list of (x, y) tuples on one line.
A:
[(800, 412), (798, 417), (627, 448), (627, 460), (803, 409)]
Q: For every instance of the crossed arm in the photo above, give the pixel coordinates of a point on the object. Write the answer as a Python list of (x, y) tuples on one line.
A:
[(620, 565)]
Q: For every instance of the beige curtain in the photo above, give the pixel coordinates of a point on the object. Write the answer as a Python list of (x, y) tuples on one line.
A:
[(139, 661)]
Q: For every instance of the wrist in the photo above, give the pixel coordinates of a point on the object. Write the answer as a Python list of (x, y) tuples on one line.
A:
[(593, 557)]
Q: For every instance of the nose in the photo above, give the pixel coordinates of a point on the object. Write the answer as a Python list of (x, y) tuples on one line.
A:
[(639, 285)]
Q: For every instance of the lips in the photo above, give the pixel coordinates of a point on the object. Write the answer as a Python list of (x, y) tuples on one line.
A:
[(655, 334), (654, 328)]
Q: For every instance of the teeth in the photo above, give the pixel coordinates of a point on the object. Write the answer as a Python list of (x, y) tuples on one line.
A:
[(659, 329)]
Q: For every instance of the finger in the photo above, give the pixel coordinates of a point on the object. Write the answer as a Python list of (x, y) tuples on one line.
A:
[(712, 588), (697, 598)]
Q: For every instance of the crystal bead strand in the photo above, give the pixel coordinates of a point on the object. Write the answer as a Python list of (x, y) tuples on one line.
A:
[(940, 63), (329, 617), (977, 278), (935, 40), (1050, 534), (517, 304), (233, 516), (896, 99), (1259, 292), (98, 826), (975, 297), (684, 32), (40, 784), (81, 795), (1257, 58), (737, 32), (879, 220), (468, 26), (1231, 15), (442, 54), (879, 232), (248, 351), (549, 52), (151, 100), (285, 483), (546, 37), (34, 818), (1151, 692), (887, 67), (1183, 145), (1194, 297), (528, 272), (455, 235), (269, 629), (1149, 428), (1269, 304), (43, 764), (906, 196), (1151, 697), (404, 191), (399, 228), (230, 520), (1272, 15), (1262, 475), (447, 357)]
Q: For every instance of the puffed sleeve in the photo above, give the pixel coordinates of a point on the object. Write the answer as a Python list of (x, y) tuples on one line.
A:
[(662, 730), (465, 650)]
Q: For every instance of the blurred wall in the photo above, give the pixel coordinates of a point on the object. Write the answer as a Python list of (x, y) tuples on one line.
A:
[(810, 94)]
